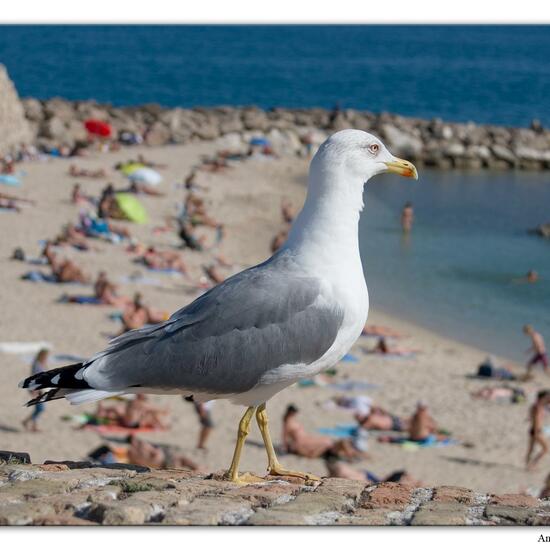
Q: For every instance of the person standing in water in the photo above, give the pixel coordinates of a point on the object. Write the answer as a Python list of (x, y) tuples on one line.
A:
[(407, 218), (40, 364), (539, 350)]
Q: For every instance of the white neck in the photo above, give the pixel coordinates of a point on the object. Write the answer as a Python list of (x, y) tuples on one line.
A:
[(326, 230)]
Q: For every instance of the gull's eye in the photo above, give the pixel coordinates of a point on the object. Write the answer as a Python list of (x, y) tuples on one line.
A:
[(374, 148)]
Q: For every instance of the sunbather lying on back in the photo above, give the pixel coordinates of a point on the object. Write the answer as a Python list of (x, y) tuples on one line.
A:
[(380, 419), (143, 453)]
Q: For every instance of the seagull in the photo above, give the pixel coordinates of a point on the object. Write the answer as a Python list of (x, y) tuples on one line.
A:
[(263, 329)]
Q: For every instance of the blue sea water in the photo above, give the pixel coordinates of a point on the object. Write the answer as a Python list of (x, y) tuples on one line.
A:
[(489, 74), (455, 272)]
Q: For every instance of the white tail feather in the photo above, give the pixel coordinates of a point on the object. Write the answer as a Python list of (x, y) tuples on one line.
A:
[(89, 396)]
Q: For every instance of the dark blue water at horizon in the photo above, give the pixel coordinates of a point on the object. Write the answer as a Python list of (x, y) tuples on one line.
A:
[(487, 74), (456, 273)]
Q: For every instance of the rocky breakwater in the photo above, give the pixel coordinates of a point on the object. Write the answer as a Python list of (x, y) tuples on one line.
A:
[(14, 127), (78, 493), (432, 143)]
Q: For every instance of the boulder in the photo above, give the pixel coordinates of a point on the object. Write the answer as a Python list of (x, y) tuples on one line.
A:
[(157, 134), (54, 128), (503, 153), (207, 130), (59, 108), (15, 128), (401, 143), (231, 124), (255, 119), (33, 109)]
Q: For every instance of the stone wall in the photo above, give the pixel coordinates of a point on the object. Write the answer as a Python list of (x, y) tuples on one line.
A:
[(14, 128), (81, 494), (426, 142)]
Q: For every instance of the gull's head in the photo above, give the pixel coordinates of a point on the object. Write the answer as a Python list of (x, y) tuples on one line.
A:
[(358, 156)]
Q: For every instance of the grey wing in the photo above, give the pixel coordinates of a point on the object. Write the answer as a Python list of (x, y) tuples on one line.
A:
[(227, 339)]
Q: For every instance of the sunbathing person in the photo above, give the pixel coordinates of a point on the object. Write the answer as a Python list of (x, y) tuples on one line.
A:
[(216, 164), (380, 419), (195, 212), (189, 238), (379, 330), (142, 453), (63, 270), (9, 204), (73, 236), (213, 273), (191, 184), (151, 164), (68, 272), (101, 228), (134, 413), (140, 188), (422, 426), (500, 393), (336, 467), (105, 293), (164, 260), (76, 172), (489, 369), (536, 430), (137, 315), (383, 348), (298, 441)]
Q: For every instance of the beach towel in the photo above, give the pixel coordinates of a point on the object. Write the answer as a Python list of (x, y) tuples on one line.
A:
[(166, 270), (23, 347), (106, 429), (352, 385), (430, 441), (350, 358), (405, 355), (9, 179), (133, 279), (341, 430), (78, 299), (39, 277)]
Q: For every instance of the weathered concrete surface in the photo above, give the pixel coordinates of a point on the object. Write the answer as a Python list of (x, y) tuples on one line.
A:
[(82, 494)]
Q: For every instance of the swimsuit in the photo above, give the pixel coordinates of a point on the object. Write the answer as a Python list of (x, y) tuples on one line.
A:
[(396, 424), (539, 358)]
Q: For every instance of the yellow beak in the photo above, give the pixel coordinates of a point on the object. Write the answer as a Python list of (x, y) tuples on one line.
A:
[(402, 168)]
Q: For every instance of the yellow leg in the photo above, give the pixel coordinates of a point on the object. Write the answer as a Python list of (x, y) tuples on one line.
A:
[(273, 466), (244, 428)]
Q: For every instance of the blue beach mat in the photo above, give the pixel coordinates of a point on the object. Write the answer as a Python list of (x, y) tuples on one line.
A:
[(341, 430)]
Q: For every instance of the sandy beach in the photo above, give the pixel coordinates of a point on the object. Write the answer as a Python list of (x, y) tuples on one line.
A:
[(246, 199)]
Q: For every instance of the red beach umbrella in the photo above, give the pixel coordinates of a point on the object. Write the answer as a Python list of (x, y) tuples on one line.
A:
[(98, 127)]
